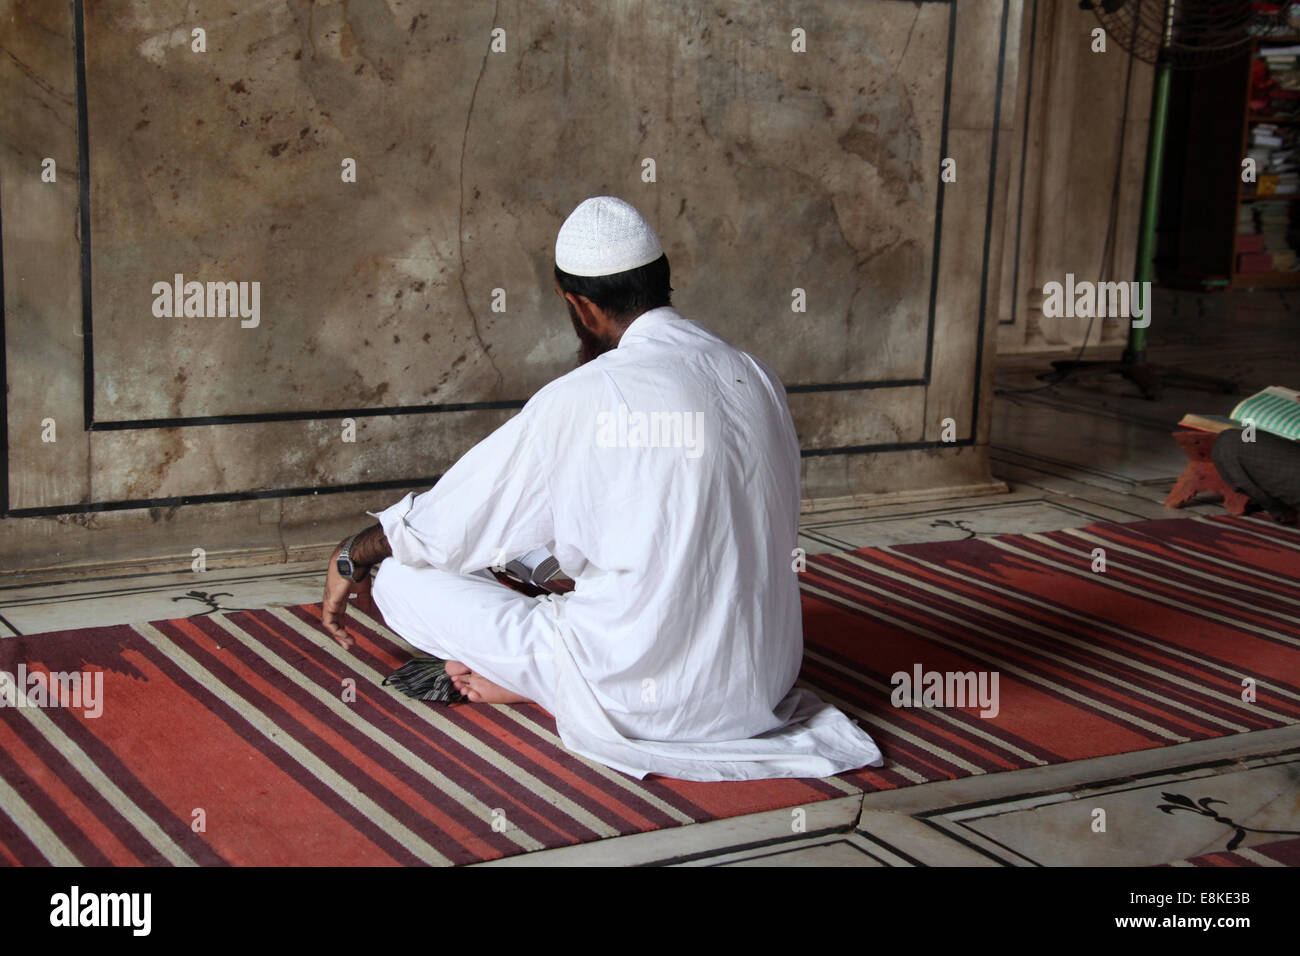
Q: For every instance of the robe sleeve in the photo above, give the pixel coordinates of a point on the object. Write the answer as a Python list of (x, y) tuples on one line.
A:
[(491, 506)]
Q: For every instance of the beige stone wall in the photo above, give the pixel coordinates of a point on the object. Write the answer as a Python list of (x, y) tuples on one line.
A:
[(774, 170), (1068, 151)]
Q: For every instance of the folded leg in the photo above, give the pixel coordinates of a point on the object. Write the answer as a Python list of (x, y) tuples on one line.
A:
[(1267, 470), (490, 628)]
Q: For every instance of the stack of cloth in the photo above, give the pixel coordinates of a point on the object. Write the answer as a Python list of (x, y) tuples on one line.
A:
[(1275, 82), (1267, 237), (1277, 159)]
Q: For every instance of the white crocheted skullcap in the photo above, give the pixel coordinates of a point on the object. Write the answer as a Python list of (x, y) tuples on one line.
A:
[(605, 235)]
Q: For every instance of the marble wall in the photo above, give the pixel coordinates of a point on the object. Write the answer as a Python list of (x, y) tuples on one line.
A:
[(1078, 138), (793, 145)]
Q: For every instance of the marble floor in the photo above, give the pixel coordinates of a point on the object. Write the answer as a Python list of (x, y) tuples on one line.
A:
[(1071, 454)]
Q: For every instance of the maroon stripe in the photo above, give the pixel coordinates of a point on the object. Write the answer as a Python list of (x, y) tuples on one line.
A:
[(462, 720), (1123, 676), (1092, 627), (1269, 609), (968, 641), (43, 805), (1217, 545), (577, 830), (1002, 735), (358, 773), (380, 708), (103, 757), (1284, 851), (1116, 680), (826, 787), (893, 779), (1120, 674), (13, 839), (920, 723), (1244, 528), (649, 785), (629, 799), (1226, 584), (676, 801), (241, 727), (901, 753), (1186, 598)]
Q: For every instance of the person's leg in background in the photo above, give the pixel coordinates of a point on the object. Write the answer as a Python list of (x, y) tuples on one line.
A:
[(1267, 469)]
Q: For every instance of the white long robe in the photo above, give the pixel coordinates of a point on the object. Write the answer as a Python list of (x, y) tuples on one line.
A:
[(678, 650)]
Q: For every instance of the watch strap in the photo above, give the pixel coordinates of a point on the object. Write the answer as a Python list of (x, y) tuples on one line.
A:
[(347, 567)]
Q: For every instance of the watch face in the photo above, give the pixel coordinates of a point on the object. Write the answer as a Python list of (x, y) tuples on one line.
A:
[(345, 567)]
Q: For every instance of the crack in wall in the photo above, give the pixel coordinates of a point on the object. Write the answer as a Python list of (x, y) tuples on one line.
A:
[(460, 220)]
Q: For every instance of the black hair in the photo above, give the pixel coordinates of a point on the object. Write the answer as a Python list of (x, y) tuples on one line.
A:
[(624, 295)]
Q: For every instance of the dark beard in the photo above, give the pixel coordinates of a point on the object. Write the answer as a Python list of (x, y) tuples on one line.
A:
[(591, 345)]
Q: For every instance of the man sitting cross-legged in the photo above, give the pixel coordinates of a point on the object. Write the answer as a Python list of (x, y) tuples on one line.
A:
[(663, 474)]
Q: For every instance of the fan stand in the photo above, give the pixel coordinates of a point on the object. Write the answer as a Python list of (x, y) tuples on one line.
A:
[(1133, 366), (1150, 379)]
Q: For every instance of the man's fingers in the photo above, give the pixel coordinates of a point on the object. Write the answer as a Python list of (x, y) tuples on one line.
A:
[(332, 619), (341, 637)]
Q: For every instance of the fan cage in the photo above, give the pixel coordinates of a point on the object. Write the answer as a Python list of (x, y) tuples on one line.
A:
[(1198, 33)]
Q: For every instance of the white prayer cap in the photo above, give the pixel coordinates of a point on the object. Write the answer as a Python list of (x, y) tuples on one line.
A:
[(605, 235)]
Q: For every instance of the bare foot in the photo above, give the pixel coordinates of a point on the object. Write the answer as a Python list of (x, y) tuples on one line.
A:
[(478, 688)]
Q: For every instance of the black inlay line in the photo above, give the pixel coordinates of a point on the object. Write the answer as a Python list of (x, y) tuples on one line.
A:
[(827, 540), (126, 592), (997, 843), (5, 621), (988, 220), (938, 200), (144, 589), (263, 417), (221, 497), (857, 386), (799, 849), (959, 838), (83, 200), (226, 497), (1127, 783), (1071, 468), (926, 513), (891, 446), (885, 844), (4, 385), (1024, 153), (756, 845)]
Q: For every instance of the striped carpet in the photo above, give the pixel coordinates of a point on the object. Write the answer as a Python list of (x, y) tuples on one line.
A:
[(249, 738), (1278, 853)]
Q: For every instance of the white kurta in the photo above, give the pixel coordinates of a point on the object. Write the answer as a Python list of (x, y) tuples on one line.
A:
[(664, 476)]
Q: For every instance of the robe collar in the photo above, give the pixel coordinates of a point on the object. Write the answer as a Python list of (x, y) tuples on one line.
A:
[(643, 325)]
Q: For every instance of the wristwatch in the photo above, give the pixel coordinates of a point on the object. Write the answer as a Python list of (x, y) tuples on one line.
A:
[(346, 566)]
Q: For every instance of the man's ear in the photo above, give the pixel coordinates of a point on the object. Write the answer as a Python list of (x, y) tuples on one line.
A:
[(587, 311)]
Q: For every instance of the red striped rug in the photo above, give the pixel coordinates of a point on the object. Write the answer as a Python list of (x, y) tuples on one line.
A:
[(1278, 853), (249, 738)]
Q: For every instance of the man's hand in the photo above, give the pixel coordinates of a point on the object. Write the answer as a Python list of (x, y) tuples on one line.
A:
[(335, 603)]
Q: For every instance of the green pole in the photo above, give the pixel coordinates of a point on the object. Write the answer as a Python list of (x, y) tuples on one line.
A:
[(1136, 349)]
